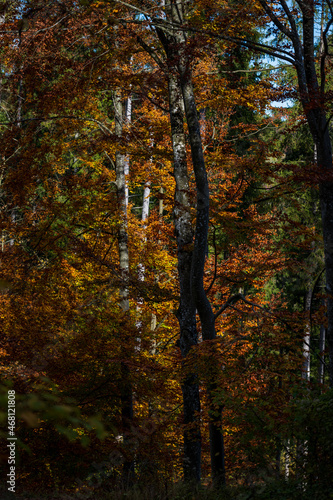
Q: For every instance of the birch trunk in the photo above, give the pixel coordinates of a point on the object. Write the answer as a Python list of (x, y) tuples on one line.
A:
[(321, 354), (287, 461), (153, 323), (122, 197), (307, 338)]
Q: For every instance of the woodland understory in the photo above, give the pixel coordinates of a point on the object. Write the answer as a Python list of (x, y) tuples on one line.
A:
[(166, 258)]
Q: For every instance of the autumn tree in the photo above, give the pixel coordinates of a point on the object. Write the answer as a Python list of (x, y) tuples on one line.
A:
[(294, 41), (191, 264)]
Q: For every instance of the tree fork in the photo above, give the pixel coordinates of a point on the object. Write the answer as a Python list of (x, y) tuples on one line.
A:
[(179, 63), (199, 296)]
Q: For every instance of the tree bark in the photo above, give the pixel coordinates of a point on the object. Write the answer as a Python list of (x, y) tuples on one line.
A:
[(186, 310), (307, 337), (126, 392), (321, 365), (179, 67), (199, 296)]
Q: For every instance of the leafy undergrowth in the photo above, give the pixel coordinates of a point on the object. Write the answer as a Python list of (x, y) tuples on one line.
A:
[(272, 490)]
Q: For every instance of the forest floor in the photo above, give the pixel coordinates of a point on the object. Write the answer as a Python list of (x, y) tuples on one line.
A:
[(273, 490)]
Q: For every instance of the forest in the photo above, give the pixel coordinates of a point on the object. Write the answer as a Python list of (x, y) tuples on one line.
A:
[(166, 260)]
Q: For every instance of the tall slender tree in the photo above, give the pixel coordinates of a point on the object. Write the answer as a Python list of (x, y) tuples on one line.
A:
[(296, 44)]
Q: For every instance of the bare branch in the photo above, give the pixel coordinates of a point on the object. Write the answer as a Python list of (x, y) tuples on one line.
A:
[(137, 9), (250, 70), (276, 20), (329, 4), (101, 125), (215, 263), (260, 47), (291, 18), (232, 300), (151, 52)]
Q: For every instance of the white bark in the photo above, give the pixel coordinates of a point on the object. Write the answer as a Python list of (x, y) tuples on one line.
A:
[(322, 339), (307, 339), (122, 195), (287, 461), (145, 202)]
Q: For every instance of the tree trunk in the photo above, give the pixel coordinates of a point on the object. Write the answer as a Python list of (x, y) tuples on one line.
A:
[(321, 354), (287, 460), (307, 337), (199, 297), (179, 64), (126, 395), (326, 199), (186, 310)]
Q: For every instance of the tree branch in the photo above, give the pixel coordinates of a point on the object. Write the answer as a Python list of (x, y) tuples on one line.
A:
[(215, 263), (151, 52), (232, 300), (276, 20)]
